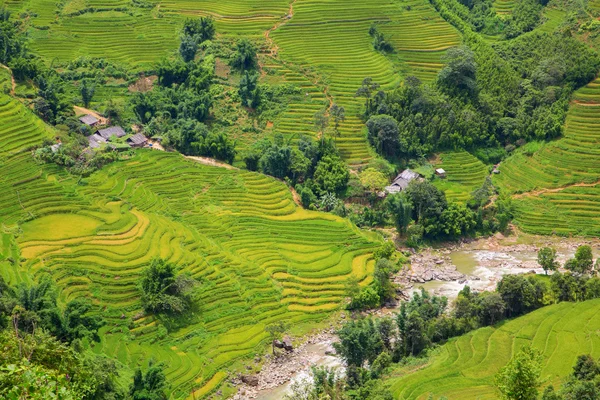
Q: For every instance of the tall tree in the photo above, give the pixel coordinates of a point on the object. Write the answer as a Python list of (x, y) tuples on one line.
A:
[(520, 378), (87, 90), (546, 257), (339, 115)]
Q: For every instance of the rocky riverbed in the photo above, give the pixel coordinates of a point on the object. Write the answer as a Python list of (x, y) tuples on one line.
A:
[(278, 373)]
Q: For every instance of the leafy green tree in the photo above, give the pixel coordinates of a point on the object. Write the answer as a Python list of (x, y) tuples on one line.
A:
[(428, 201), (372, 180), (277, 161), (491, 308), (172, 71), (331, 175), (583, 261), (80, 321), (202, 28), (518, 294), (359, 343), (87, 90), (520, 378), (546, 258), (163, 291), (384, 135), (249, 90), (459, 73), (276, 332), (414, 337), (338, 113), (149, 385), (244, 56), (321, 122), (400, 210), (366, 90), (381, 280), (188, 48), (565, 287)]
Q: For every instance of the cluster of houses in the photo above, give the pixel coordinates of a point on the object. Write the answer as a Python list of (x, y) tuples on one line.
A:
[(103, 136)]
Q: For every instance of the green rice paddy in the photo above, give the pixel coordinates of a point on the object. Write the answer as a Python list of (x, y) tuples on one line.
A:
[(464, 174), (559, 178), (465, 367), (259, 258)]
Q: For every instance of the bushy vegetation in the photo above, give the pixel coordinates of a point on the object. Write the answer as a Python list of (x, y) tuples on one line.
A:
[(463, 109)]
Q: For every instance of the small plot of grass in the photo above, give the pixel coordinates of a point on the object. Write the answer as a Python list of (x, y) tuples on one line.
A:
[(59, 226)]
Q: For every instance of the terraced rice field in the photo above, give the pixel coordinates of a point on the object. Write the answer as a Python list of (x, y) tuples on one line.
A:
[(339, 54), (19, 127), (258, 257), (559, 180), (341, 51), (464, 174), (465, 367), (504, 7)]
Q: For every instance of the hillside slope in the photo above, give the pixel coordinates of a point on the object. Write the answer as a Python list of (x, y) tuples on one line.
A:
[(465, 367), (258, 257)]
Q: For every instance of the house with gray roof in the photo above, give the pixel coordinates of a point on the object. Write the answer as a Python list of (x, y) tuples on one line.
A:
[(89, 120), (107, 133), (402, 180), (137, 140), (96, 141)]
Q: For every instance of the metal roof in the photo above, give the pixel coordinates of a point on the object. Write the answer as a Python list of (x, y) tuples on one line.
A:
[(117, 131), (89, 119)]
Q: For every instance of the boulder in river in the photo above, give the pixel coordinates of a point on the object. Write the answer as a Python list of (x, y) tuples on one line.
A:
[(250, 380)]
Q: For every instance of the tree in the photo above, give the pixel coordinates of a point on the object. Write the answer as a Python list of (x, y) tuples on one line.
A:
[(372, 180), (428, 201), (172, 71), (163, 291), (491, 308), (366, 90), (249, 90), (244, 56), (202, 28), (188, 48), (458, 75), (547, 259), (331, 175), (80, 322), (583, 262), (277, 161), (517, 293), (381, 279), (150, 385), (275, 332), (400, 210), (415, 339), (520, 378), (321, 122), (384, 135), (339, 115), (87, 90), (586, 368)]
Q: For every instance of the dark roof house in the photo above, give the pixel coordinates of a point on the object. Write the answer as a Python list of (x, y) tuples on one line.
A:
[(95, 141), (401, 182), (137, 140), (117, 131), (89, 120)]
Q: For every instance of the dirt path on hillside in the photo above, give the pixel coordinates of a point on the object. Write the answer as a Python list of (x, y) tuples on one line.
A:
[(535, 193), (273, 48), (211, 162), (12, 80), (85, 111)]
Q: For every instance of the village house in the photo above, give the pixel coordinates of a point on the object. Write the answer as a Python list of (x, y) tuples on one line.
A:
[(116, 131), (96, 141), (89, 120), (401, 182), (440, 172), (137, 140)]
